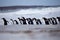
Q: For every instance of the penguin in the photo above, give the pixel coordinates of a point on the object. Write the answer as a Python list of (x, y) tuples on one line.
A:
[(20, 20), (24, 20), (37, 21), (5, 21), (49, 21), (30, 21), (46, 21), (58, 19), (54, 20), (16, 21), (12, 20)]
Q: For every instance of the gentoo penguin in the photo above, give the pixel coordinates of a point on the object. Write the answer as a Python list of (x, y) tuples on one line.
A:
[(5, 21), (46, 21), (20, 20), (30, 21), (58, 19), (12, 20), (16, 21), (54, 20), (24, 20), (37, 21)]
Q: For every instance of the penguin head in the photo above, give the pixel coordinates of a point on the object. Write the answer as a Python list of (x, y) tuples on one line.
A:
[(58, 17), (18, 18), (34, 18), (23, 17), (2, 18), (11, 19), (43, 17)]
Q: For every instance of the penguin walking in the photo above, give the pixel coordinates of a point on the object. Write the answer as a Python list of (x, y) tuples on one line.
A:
[(16, 21), (5, 21), (30, 21), (12, 20), (20, 20), (55, 21), (52, 21), (49, 21), (37, 21), (24, 20), (46, 21), (58, 19)]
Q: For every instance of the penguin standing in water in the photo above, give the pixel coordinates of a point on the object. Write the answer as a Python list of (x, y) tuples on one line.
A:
[(37, 21), (58, 19), (30, 21), (16, 21), (52, 21), (49, 21), (12, 20), (24, 20), (5, 21), (55, 21), (20, 20), (46, 21)]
